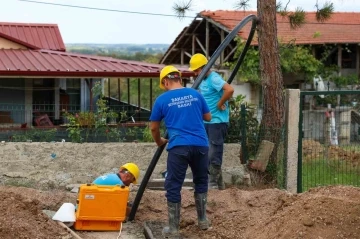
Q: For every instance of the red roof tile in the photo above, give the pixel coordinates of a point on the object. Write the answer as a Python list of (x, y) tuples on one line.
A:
[(342, 27), (34, 36), (47, 63)]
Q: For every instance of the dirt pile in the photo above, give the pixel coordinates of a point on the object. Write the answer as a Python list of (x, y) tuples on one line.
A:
[(22, 216), (328, 212), (351, 156), (312, 149)]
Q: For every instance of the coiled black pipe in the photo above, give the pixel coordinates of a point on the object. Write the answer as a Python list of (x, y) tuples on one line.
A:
[(196, 84)]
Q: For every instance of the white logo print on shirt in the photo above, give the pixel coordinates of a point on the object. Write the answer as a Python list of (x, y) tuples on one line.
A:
[(183, 101)]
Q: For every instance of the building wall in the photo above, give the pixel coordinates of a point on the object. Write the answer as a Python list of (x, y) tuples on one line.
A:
[(316, 128), (243, 89), (347, 72), (6, 44)]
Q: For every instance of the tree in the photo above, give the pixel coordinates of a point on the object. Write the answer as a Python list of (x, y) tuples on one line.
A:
[(271, 75), (294, 60), (270, 68)]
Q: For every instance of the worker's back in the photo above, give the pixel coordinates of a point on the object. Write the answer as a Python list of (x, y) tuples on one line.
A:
[(182, 110), (108, 179)]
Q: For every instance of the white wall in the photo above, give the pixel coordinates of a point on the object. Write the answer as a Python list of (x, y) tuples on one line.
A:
[(243, 89)]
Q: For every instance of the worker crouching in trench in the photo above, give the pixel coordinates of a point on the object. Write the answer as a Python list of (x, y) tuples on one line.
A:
[(127, 174)]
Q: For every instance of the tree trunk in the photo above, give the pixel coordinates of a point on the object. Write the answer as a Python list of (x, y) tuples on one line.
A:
[(271, 76)]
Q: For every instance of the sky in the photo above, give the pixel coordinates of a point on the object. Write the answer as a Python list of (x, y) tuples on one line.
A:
[(111, 27)]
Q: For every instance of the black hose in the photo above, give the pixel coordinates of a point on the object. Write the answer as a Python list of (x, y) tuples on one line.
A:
[(224, 44), (196, 84), (243, 53)]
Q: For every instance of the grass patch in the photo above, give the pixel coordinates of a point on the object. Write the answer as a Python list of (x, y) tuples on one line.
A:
[(322, 172)]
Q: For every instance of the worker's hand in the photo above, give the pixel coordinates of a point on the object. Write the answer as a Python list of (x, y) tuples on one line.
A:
[(221, 107), (162, 142)]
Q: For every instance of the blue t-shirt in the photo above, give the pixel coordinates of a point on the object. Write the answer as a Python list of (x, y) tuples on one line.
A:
[(211, 89), (109, 179), (182, 110)]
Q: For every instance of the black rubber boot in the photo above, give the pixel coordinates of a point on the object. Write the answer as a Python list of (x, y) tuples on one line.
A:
[(200, 202), (172, 230), (220, 181), (213, 178), (216, 178)]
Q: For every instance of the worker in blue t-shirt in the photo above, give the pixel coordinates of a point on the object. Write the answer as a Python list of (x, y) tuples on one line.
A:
[(128, 173), (216, 92), (183, 111)]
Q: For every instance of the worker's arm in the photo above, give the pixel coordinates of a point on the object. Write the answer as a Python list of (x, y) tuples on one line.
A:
[(207, 116), (205, 109), (228, 92), (155, 132)]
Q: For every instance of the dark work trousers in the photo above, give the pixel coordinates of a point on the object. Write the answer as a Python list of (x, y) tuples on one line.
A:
[(179, 158), (216, 134)]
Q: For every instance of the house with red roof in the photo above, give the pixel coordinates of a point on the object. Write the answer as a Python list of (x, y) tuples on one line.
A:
[(206, 32), (38, 77)]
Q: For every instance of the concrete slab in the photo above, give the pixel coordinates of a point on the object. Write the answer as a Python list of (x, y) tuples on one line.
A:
[(159, 182), (129, 231)]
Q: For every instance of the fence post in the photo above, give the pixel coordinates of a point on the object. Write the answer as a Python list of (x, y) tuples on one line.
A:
[(28, 102), (244, 152), (292, 113)]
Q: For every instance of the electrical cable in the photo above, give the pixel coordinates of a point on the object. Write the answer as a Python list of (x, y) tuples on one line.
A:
[(174, 15), (106, 9), (118, 237)]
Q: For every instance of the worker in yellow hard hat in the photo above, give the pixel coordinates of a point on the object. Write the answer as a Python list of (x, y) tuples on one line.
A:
[(169, 71), (183, 111), (127, 174), (216, 92)]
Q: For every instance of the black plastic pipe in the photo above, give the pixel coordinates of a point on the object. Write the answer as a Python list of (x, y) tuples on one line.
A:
[(243, 53), (196, 84)]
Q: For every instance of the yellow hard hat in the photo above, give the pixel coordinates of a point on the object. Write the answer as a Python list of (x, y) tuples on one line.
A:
[(164, 72), (198, 60), (133, 169)]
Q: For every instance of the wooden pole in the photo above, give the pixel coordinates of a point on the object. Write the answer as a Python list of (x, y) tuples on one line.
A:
[(76, 236)]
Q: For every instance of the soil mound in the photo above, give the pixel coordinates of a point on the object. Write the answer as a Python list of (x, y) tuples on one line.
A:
[(22, 216), (326, 212), (312, 149)]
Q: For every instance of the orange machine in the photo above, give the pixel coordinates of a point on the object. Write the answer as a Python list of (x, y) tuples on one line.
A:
[(101, 208)]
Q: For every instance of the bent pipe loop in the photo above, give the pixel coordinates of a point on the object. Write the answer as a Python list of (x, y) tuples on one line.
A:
[(196, 84)]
